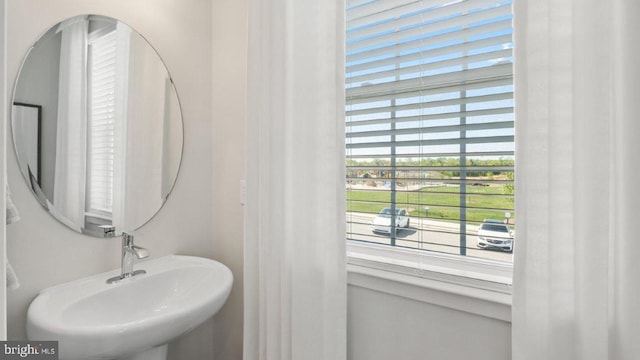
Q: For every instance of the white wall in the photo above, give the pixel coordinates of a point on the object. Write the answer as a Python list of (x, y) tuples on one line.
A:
[(382, 326), (44, 252), (229, 104)]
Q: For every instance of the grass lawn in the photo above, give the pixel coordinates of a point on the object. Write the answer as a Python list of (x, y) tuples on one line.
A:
[(482, 202)]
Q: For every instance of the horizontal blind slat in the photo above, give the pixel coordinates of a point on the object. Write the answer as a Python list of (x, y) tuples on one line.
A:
[(467, 47), (431, 117), (412, 93), (455, 26), (386, 50), (434, 81), (375, 7), (462, 61), (434, 129), (419, 14), (432, 142), (430, 104), (426, 154)]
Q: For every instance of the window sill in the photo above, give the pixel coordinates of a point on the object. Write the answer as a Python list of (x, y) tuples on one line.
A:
[(476, 286), (102, 215)]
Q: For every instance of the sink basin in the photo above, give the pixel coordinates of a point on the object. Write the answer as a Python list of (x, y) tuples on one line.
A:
[(134, 318)]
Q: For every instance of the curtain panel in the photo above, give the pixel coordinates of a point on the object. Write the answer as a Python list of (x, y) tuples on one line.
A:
[(295, 257), (71, 146), (576, 288)]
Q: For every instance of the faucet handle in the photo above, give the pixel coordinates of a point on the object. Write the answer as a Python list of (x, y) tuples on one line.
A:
[(140, 252)]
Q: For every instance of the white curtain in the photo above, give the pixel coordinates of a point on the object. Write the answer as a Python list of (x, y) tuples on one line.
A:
[(577, 280), (140, 105), (144, 132), (121, 219), (295, 276), (71, 144)]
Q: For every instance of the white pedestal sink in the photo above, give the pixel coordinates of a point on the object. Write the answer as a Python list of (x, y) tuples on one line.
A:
[(134, 318)]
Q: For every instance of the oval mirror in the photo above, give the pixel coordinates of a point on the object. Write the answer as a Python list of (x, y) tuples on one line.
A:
[(97, 126)]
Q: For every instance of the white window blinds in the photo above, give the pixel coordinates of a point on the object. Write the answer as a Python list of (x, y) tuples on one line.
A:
[(429, 118), (102, 82)]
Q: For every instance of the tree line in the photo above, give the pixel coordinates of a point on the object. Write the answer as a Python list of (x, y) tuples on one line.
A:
[(444, 166)]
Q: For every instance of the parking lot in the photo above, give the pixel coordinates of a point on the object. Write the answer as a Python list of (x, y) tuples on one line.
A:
[(425, 234)]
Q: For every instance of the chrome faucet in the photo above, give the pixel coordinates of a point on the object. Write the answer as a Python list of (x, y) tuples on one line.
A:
[(129, 252)]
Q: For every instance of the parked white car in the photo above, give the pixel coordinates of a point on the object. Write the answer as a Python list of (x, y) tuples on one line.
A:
[(382, 221), (495, 234)]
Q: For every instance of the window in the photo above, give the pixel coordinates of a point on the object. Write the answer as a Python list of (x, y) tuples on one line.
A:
[(108, 88), (430, 125), (101, 129)]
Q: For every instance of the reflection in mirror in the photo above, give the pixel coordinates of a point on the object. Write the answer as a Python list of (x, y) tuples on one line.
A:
[(97, 126)]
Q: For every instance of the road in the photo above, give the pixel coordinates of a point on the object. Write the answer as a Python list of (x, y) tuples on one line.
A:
[(426, 234)]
